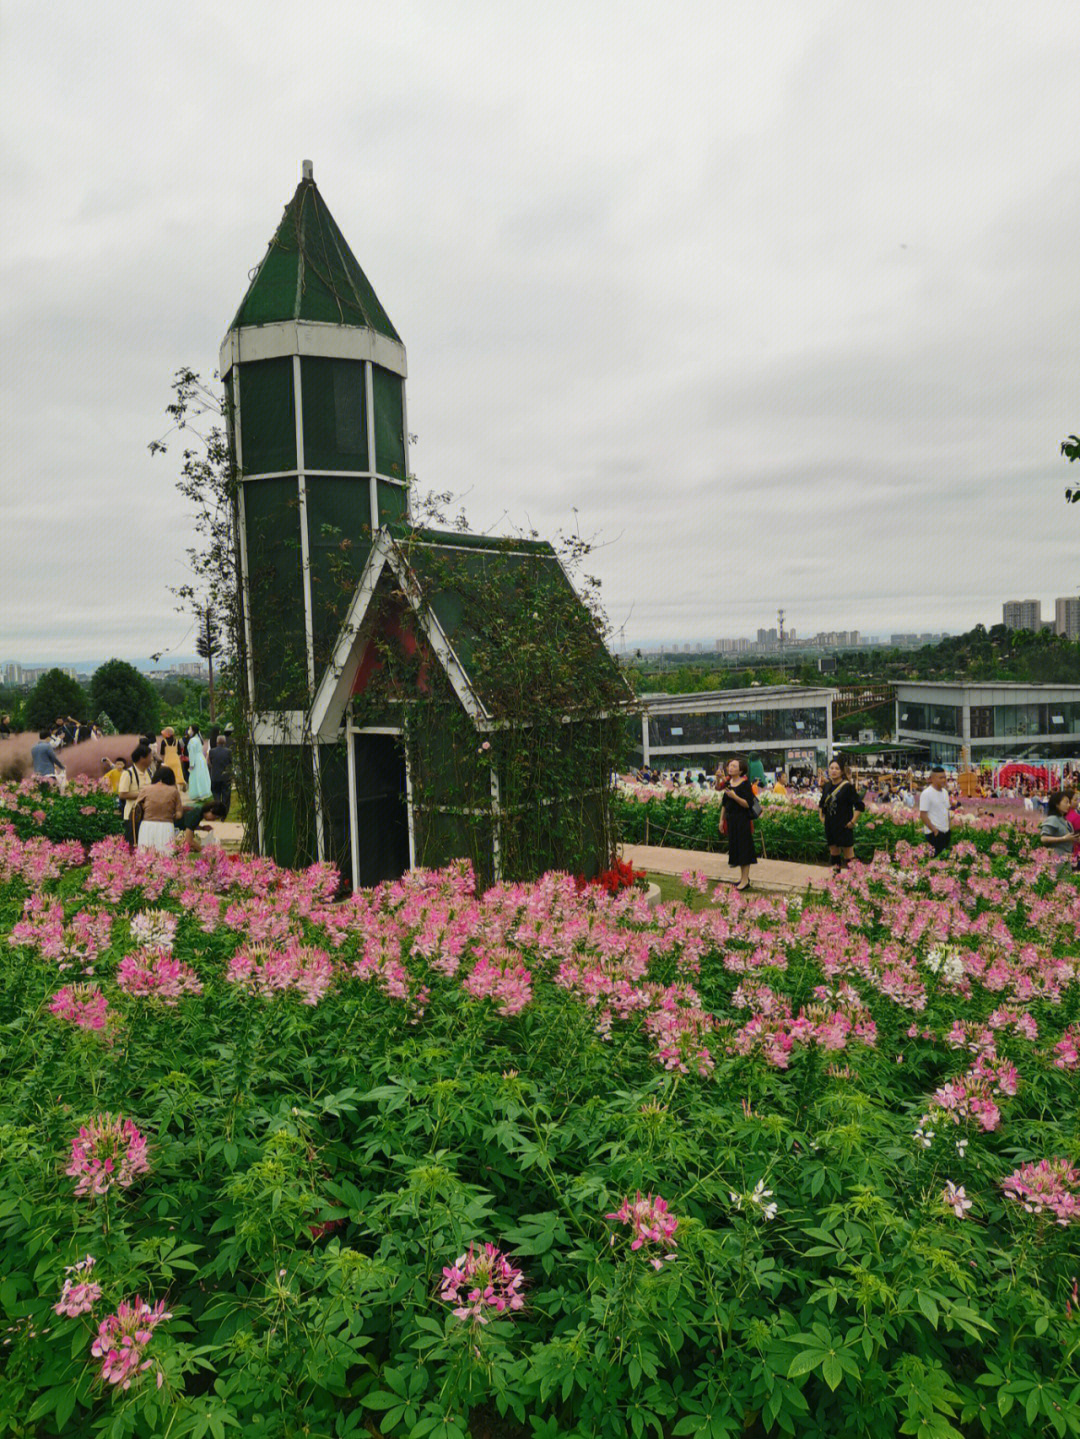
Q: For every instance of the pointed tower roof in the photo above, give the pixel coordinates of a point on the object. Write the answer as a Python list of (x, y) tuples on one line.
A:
[(309, 273)]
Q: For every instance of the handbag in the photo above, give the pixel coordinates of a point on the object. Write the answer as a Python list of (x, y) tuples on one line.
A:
[(757, 809)]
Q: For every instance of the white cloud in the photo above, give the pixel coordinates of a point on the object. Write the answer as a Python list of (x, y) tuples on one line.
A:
[(771, 296)]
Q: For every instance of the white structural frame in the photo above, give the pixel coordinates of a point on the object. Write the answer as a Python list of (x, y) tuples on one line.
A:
[(373, 459), (496, 826), (309, 612), (320, 338), (245, 595), (334, 691)]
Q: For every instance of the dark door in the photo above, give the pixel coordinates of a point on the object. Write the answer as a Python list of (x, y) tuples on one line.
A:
[(382, 825)]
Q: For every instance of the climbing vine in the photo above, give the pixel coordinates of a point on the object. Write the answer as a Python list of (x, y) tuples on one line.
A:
[(509, 758)]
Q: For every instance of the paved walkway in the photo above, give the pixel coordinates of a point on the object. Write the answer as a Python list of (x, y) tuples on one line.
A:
[(768, 874), (775, 875)]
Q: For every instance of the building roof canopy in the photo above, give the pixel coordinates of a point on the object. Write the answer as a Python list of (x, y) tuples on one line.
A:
[(309, 273), (476, 600)]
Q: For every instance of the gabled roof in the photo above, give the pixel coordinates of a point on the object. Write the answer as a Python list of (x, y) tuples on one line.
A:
[(440, 573), (309, 273)]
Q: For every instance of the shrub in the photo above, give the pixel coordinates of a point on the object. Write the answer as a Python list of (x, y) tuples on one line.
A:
[(538, 1161)]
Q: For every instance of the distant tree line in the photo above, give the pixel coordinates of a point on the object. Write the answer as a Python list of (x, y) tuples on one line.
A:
[(981, 654)]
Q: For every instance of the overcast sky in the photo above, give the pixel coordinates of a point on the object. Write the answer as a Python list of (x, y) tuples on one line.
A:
[(780, 302)]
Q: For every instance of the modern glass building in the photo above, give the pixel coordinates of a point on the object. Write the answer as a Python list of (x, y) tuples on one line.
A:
[(976, 723), (786, 726)]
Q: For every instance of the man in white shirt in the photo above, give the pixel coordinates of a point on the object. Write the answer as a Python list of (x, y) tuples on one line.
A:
[(934, 811)]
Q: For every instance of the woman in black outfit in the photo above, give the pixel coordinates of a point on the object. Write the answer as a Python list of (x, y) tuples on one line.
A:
[(738, 798), (839, 803)]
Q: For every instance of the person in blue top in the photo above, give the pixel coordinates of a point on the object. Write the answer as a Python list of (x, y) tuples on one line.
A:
[(198, 774), (47, 763)]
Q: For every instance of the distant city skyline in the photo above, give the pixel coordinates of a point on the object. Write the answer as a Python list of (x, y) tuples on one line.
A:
[(1026, 613)]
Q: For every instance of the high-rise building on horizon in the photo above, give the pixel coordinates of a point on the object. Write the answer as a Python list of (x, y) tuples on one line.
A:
[(1067, 616), (1021, 614)]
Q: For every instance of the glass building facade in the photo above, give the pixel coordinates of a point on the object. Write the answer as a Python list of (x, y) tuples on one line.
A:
[(696, 731), (980, 722)]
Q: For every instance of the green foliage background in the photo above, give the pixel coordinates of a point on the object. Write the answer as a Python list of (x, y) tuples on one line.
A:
[(55, 694), (126, 696)]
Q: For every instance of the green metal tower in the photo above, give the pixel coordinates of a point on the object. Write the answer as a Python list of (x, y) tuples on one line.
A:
[(314, 373)]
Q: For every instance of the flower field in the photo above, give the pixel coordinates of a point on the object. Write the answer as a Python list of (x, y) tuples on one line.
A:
[(538, 1162), (790, 828)]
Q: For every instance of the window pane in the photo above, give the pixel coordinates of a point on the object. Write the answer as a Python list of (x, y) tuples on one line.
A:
[(335, 416), (267, 418), (272, 523), (393, 502), (389, 423), (339, 541)]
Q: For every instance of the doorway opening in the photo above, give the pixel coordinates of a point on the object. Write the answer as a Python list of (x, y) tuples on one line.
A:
[(381, 842)]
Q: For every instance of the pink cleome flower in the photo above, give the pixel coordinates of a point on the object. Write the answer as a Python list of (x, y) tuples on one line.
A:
[(80, 1294), (122, 1339), (107, 1151), (1067, 1049), (650, 1222), (83, 1005), (491, 1284), (1051, 1184), (156, 973), (156, 928), (263, 970), (954, 1196)]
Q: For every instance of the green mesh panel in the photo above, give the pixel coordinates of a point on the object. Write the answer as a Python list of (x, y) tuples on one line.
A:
[(334, 784), (309, 273), (339, 542), (335, 416), (452, 577), (441, 838), (389, 423), (393, 503), (275, 588), (272, 295), (288, 785), (267, 418)]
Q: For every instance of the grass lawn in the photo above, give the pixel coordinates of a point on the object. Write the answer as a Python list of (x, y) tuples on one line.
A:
[(672, 888)]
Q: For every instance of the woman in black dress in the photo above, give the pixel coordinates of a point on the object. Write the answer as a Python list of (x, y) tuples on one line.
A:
[(738, 799), (840, 802)]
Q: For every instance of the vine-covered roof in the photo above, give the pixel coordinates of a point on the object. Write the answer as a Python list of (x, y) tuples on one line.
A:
[(309, 273), (516, 641), (524, 637)]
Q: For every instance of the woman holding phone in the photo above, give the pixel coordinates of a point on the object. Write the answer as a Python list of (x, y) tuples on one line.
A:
[(738, 803)]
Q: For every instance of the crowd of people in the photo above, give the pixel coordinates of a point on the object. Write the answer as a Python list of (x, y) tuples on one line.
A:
[(167, 790), (934, 795), (172, 789)]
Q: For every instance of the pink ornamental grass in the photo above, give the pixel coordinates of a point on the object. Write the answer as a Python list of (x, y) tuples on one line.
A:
[(482, 1283), (650, 1222), (80, 1293), (108, 1151), (122, 1339)]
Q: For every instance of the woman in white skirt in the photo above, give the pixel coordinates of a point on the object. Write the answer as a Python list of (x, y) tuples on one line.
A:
[(162, 807)]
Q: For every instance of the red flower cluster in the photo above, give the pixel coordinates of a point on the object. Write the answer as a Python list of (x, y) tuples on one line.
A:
[(622, 875)]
